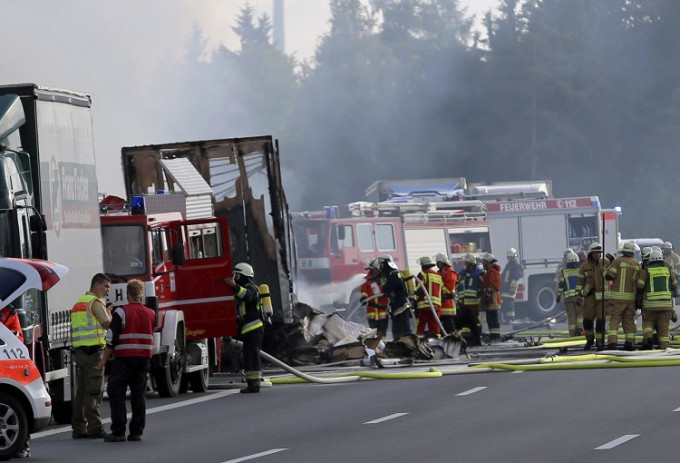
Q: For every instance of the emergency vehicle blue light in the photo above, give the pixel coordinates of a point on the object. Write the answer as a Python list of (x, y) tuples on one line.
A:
[(595, 203), (618, 209), (137, 205)]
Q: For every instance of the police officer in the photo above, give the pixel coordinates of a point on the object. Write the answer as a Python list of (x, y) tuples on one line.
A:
[(89, 321), (623, 272), (250, 316), (509, 280)]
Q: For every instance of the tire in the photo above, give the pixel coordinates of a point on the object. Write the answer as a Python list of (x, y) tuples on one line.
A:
[(542, 303), (169, 376), (199, 381), (13, 426)]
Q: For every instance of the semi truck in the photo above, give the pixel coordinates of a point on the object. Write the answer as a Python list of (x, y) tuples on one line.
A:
[(49, 210)]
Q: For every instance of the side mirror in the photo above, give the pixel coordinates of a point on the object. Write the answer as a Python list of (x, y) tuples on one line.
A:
[(341, 232)]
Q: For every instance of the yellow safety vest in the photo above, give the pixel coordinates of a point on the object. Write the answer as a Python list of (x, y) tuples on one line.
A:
[(85, 328)]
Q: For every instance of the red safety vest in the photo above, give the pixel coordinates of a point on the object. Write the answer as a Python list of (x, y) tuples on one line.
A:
[(136, 337)]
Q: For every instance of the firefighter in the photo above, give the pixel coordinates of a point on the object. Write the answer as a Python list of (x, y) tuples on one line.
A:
[(490, 300), (394, 288), (623, 272), (671, 259), (592, 288), (429, 291), (656, 283), (509, 280), (376, 303), (560, 266), (572, 301), (449, 280), (251, 317), (468, 289)]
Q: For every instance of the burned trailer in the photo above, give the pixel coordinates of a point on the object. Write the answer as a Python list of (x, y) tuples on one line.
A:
[(245, 178)]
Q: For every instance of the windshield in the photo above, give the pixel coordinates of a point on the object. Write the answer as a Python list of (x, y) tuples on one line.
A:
[(310, 236), (124, 250)]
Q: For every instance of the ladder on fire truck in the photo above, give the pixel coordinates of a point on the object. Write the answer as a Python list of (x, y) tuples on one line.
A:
[(422, 212)]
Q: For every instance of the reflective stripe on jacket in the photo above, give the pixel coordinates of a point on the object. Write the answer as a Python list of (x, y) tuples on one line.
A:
[(85, 328), (136, 336)]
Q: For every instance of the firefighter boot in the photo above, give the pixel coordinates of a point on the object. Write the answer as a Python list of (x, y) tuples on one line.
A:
[(628, 345), (253, 386), (589, 342), (647, 345)]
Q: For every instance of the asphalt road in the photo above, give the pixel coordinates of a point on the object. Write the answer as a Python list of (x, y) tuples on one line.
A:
[(603, 415)]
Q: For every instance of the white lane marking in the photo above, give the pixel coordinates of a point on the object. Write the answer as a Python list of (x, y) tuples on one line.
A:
[(385, 418), (617, 442), (472, 391), (255, 455), (162, 408)]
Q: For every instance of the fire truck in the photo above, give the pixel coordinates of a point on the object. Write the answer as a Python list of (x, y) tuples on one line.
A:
[(335, 245), (179, 249), (454, 216)]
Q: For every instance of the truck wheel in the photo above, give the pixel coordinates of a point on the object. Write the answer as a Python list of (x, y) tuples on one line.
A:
[(169, 376), (199, 380), (542, 299), (13, 426)]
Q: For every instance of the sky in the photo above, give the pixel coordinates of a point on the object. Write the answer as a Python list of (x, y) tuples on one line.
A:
[(117, 51)]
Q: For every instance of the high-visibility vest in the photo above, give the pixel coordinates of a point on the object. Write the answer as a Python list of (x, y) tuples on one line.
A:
[(250, 323), (468, 286), (658, 287), (569, 279), (376, 307), (625, 276), (85, 328), (433, 283), (136, 337)]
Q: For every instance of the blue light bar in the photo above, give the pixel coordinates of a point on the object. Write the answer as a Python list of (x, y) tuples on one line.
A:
[(137, 205)]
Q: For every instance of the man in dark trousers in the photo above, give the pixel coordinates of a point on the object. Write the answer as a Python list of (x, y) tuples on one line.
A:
[(250, 316), (395, 289), (130, 339)]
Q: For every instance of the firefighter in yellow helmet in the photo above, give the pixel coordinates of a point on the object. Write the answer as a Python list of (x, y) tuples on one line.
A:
[(592, 287), (656, 282), (623, 272), (512, 272)]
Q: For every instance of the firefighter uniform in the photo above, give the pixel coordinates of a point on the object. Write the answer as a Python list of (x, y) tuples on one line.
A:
[(572, 300), (429, 292), (394, 288), (657, 282), (592, 287), (624, 273), (671, 258), (490, 300), (376, 303), (509, 280), (449, 281), (468, 289)]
